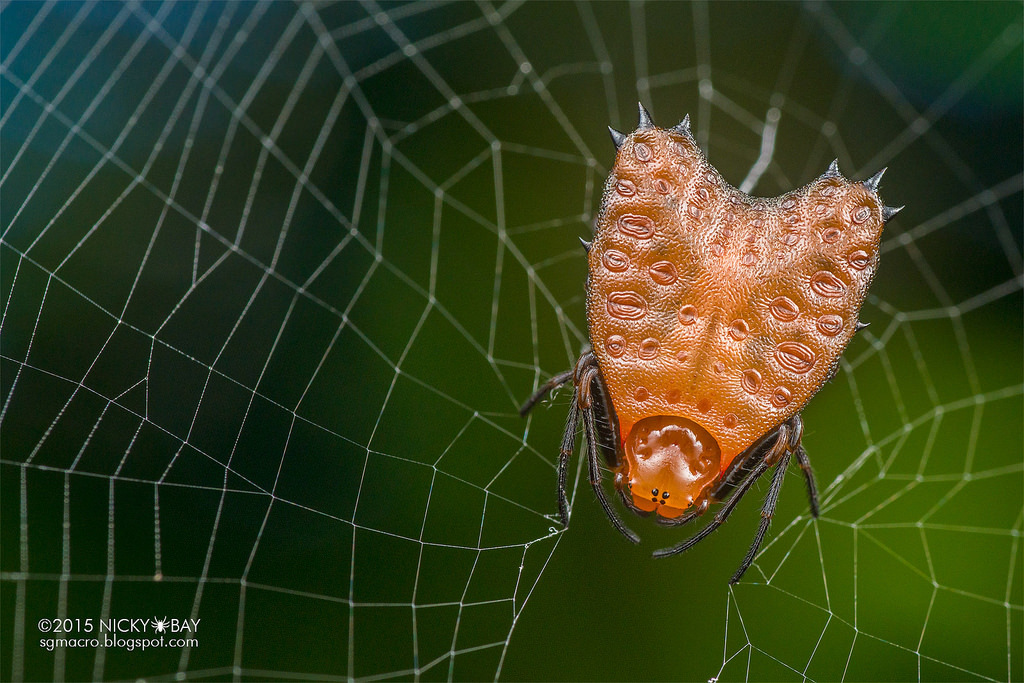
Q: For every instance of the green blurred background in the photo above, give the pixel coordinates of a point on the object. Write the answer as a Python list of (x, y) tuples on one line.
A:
[(275, 278)]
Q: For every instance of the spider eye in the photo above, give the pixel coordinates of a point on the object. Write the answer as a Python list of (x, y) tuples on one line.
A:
[(654, 492), (665, 494)]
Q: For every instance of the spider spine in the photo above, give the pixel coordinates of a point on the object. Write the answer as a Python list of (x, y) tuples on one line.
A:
[(833, 170), (617, 138), (872, 182), (683, 127), (890, 211), (586, 245), (644, 122)]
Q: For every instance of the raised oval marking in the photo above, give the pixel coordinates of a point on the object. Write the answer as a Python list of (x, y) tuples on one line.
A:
[(860, 214), (751, 381), (825, 283), (648, 349), (626, 305), (688, 314), (795, 356), (636, 225), (663, 272), (739, 329), (781, 397), (615, 345), (859, 259), (830, 325), (783, 308), (615, 261)]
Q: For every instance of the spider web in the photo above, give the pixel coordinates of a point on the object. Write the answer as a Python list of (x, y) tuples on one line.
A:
[(275, 278)]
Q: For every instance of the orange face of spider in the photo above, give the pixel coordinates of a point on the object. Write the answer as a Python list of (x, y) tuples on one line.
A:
[(671, 460)]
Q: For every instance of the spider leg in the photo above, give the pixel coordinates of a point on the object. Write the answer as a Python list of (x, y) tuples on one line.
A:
[(767, 512), (720, 516), (595, 476), (796, 425), (755, 465), (584, 374), (564, 454), (544, 389), (812, 488)]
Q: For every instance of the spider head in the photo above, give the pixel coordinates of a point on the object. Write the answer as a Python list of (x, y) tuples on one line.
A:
[(671, 460)]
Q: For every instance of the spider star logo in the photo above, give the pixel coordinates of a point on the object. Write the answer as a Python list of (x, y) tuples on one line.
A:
[(160, 625)]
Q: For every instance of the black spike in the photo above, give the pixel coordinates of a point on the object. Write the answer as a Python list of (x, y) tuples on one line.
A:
[(872, 182), (617, 137), (645, 121), (683, 126), (586, 245), (890, 211), (833, 170), (860, 326)]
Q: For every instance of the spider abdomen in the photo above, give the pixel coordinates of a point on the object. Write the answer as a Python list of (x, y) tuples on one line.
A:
[(714, 317), (727, 310)]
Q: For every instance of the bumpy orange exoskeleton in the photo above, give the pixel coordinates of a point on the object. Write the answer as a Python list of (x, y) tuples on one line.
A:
[(714, 317)]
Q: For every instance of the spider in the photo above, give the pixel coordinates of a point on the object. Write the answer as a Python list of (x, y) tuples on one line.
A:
[(714, 317)]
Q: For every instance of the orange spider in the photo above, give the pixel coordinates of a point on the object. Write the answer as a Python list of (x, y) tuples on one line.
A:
[(714, 318)]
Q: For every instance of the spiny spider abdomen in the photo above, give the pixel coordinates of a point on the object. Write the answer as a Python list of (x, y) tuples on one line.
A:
[(714, 317)]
